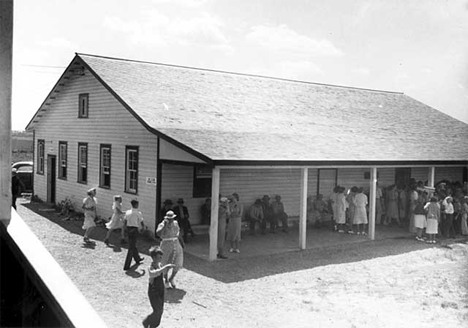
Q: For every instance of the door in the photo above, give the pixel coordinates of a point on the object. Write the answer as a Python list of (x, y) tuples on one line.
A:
[(402, 177), (326, 181), (51, 169)]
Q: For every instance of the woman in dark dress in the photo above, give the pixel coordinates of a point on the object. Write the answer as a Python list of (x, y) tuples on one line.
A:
[(156, 287)]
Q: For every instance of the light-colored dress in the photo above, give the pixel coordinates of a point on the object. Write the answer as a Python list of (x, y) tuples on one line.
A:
[(170, 244), (464, 224), (360, 213), (89, 206), (392, 204), (116, 221), (433, 218), (339, 208), (235, 222)]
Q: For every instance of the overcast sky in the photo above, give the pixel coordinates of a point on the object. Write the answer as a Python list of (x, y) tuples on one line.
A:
[(416, 47)]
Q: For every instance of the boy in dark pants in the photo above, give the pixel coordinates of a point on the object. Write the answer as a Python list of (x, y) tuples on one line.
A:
[(133, 222), (156, 287)]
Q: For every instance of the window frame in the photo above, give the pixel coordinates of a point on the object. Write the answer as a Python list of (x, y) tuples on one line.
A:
[(79, 176), (202, 181), (63, 167), (128, 178), (102, 172), (40, 156), (83, 105)]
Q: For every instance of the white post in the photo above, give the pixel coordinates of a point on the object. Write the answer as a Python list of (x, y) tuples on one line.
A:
[(214, 214), (372, 200), (6, 54), (303, 209), (431, 177)]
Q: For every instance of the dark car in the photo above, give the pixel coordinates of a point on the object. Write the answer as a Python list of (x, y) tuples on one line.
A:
[(24, 172)]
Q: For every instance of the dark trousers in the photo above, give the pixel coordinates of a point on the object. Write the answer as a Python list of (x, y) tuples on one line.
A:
[(283, 217), (186, 227), (273, 223), (132, 249), (157, 303), (261, 225), (447, 226)]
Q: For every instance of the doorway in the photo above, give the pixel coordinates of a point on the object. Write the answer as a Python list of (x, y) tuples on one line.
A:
[(402, 177), (326, 181), (51, 169)]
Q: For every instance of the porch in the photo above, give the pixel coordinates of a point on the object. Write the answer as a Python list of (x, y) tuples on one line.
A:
[(280, 242)]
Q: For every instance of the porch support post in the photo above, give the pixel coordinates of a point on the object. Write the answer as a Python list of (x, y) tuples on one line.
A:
[(6, 55), (214, 214), (372, 200), (431, 177), (303, 209)]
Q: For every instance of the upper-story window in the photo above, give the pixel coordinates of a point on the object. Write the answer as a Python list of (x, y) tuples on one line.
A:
[(40, 156), (83, 103), (63, 148), (105, 170), (131, 169), (202, 177)]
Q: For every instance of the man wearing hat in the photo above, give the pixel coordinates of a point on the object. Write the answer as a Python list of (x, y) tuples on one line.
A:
[(279, 214), (268, 213), (183, 218)]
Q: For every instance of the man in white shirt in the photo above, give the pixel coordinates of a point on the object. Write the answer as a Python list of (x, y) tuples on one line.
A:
[(133, 222)]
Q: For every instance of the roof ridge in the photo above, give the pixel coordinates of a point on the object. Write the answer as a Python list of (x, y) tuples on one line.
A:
[(241, 74)]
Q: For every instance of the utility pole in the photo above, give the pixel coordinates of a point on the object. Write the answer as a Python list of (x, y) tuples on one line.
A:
[(6, 58)]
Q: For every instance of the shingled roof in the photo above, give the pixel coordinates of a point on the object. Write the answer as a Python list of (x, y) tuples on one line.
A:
[(231, 117)]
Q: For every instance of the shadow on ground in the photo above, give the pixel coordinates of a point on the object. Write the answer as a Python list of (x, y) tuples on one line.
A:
[(240, 269)]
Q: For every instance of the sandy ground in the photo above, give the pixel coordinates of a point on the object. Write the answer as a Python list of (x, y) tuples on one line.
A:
[(423, 288)]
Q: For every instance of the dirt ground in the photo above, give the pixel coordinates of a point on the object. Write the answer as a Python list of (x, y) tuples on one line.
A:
[(392, 283)]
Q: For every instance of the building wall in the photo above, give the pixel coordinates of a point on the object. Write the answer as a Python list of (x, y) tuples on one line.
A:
[(108, 123)]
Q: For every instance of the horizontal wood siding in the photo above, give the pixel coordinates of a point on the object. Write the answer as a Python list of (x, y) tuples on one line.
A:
[(177, 182), (420, 173), (453, 174), (108, 123)]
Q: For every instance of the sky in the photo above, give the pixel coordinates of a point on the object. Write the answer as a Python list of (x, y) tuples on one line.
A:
[(416, 47)]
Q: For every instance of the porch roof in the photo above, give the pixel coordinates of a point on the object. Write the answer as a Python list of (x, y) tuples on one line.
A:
[(233, 117)]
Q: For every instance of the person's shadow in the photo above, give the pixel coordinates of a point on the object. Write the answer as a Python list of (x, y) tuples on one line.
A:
[(174, 295)]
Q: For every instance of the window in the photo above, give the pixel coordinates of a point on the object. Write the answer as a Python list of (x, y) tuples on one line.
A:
[(82, 162), (40, 156), (131, 169), (83, 105), (62, 160), (105, 170), (202, 176)]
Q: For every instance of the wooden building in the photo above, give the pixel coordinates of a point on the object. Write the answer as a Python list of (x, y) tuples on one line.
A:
[(152, 131)]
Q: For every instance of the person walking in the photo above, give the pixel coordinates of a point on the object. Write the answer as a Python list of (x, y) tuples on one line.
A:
[(90, 213), (169, 232), (116, 221), (133, 223), (156, 287), (235, 223)]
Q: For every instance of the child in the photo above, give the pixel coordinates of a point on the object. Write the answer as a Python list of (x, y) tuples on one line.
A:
[(433, 218), (156, 287), (89, 206), (116, 221), (419, 217)]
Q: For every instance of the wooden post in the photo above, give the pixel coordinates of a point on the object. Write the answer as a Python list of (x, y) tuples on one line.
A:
[(6, 55), (372, 200), (214, 214), (431, 177), (303, 209)]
